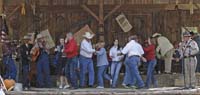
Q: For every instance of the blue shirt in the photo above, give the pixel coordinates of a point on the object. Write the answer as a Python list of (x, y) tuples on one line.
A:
[(102, 57)]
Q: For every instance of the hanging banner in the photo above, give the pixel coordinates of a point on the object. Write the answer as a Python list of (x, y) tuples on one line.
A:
[(124, 23), (47, 37), (79, 35)]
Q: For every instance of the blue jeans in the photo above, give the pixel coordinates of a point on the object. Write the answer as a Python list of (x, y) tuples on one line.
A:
[(102, 74), (115, 69), (86, 65), (11, 69), (73, 71), (25, 73), (43, 71), (133, 62), (128, 80), (150, 73)]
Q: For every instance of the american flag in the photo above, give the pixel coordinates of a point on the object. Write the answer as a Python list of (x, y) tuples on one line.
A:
[(4, 30)]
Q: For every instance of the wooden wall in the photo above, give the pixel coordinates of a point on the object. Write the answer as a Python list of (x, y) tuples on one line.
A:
[(61, 16)]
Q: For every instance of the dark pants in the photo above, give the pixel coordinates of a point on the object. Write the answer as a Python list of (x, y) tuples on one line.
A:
[(43, 71), (73, 71), (198, 63), (25, 72)]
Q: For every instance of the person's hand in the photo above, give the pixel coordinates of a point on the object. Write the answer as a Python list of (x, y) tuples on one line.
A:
[(143, 59), (149, 41), (66, 39)]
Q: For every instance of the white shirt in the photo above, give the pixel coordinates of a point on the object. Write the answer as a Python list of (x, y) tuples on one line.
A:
[(86, 49), (114, 54), (133, 48)]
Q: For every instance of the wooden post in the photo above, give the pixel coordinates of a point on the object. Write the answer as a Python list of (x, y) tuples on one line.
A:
[(1, 6), (101, 17), (101, 22)]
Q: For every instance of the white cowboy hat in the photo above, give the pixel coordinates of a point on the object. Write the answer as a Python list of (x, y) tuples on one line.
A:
[(39, 36), (156, 34), (88, 35), (26, 37)]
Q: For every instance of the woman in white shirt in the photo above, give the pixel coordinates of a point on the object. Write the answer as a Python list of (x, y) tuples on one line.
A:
[(116, 62)]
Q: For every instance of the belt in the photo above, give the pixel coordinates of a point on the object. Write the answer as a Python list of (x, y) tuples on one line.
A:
[(134, 56), (191, 56)]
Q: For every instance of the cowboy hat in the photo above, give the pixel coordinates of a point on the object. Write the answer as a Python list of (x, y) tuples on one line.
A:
[(88, 35), (39, 36), (26, 37), (186, 34), (156, 34)]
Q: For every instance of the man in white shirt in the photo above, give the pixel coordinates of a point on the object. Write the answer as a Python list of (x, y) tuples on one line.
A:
[(86, 62), (134, 51)]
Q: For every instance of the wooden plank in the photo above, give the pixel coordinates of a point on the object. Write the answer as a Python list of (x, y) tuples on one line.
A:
[(90, 12), (112, 11), (101, 12)]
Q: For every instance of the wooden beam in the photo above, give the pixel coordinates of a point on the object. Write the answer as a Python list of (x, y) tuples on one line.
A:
[(14, 11), (112, 11), (90, 12), (101, 12), (1, 6)]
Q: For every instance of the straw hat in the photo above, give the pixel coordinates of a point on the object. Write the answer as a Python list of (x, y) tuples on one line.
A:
[(88, 35)]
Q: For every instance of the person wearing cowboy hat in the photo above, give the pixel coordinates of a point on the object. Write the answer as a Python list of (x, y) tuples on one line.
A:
[(43, 70), (189, 49), (25, 50), (86, 62), (164, 50)]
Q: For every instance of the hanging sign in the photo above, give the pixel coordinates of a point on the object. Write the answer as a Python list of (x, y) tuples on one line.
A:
[(124, 23)]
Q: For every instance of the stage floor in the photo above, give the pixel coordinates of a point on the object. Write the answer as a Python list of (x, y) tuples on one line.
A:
[(109, 91)]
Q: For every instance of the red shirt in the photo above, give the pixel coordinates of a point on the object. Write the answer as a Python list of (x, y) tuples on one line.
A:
[(71, 48), (149, 52)]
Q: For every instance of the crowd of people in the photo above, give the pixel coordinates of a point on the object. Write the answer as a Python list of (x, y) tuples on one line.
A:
[(75, 64)]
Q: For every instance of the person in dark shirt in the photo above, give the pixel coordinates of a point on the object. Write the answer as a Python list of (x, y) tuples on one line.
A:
[(26, 60), (196, 38), (176, 61)]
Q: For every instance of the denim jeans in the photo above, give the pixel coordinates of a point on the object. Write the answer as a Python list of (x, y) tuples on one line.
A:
[(134, 72), (11, 69), (128, 80), (73, 71), (102, 74), (43, 71), (115, 69), (150, 73), (86, 65)]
